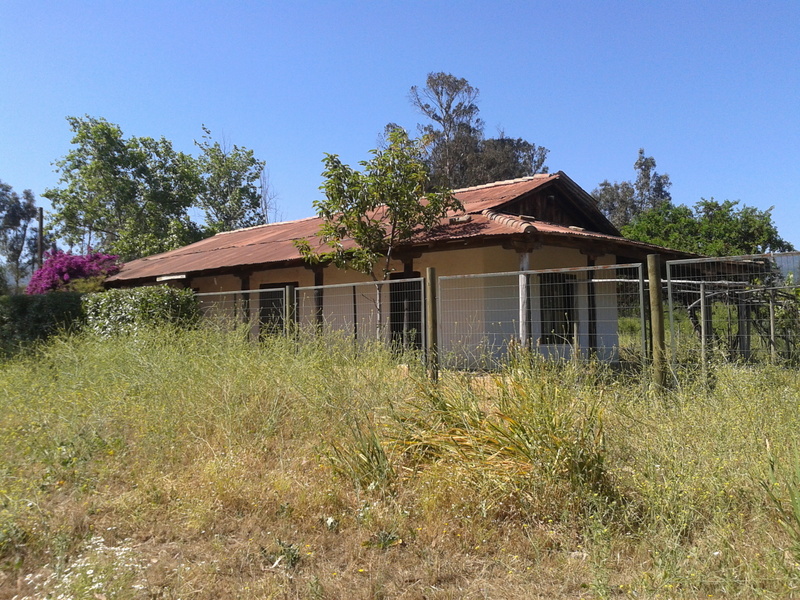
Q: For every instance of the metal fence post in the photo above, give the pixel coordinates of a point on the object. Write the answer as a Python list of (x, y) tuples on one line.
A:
[(431, 324), (657, 318)]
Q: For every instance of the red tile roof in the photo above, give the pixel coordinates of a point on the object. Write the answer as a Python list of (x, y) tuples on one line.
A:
[(492, 195), (273, 244)]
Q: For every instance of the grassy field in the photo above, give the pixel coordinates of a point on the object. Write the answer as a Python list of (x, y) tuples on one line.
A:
[(197, 465)]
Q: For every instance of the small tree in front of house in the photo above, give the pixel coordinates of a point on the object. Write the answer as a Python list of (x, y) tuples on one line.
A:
[(366, 214)]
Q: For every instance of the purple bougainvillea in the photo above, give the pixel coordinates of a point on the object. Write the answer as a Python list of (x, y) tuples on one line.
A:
[(61, 268)]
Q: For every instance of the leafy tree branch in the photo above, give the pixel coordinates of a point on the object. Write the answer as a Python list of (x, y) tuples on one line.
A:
[(366, 214)]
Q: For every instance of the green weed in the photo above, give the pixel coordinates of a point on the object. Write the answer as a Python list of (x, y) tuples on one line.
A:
[(197, 450)]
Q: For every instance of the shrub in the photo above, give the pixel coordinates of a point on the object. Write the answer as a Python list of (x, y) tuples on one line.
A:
[(126, 311), (26, 319), (66, 271)]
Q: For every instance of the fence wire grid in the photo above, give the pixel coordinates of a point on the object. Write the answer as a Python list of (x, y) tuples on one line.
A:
[(386, 311), (558, 313), (744, 308), (741, 308)]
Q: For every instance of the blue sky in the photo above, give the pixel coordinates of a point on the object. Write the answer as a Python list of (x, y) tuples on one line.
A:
[(710, 89)]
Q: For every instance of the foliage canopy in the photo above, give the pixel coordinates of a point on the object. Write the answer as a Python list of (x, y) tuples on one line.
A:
[(132, 196), (457, 153), (367, 214), (711, 227), (232, 194), (16, 234), (621, 202)]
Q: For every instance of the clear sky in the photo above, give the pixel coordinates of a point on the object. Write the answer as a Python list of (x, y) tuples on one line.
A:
[(710, 89)]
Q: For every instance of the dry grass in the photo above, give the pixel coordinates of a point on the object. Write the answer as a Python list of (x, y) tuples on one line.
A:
[(199, 465)]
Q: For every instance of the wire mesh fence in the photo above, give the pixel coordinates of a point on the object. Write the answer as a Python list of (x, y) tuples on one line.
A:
[(742, 308), (387, 311), (558, 313), (262, 310)]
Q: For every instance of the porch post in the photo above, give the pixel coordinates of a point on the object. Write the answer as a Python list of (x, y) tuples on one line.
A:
[(524, 301), (318, 297), (245, 288), (431, 324)]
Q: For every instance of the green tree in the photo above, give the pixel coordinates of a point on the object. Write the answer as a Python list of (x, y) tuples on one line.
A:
[(458, 155), (504, 158), (127, 196), (711, 227), (132, 196), (456, 131), (621, 202), (16, 215), (366, 214), (235, 191)]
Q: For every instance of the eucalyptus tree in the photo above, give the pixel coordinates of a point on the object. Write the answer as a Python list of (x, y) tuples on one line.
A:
[(16, 217), (457, 153), (623, 201)]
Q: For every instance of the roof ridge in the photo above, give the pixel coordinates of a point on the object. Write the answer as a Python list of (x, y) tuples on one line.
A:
[(505, 182), (509, 221), (267, 225)]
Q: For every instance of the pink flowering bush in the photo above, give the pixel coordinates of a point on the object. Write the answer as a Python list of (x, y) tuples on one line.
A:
[(64, 271)]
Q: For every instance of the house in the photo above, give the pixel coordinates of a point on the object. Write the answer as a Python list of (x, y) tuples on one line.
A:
[(542, 222)]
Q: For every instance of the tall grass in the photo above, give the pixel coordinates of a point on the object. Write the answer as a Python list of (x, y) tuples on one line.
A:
[(200, 464)]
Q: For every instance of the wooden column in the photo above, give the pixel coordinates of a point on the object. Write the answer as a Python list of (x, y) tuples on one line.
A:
[(657, 319), (524, 301), (318, 297), (431, 323), (244, 278)]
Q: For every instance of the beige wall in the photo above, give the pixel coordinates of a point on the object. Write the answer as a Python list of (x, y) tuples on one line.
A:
[(302, 276), (216, 283), (463, 261), (479, 317)]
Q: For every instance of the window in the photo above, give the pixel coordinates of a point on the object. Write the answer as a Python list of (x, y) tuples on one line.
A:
[(557, 292)]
